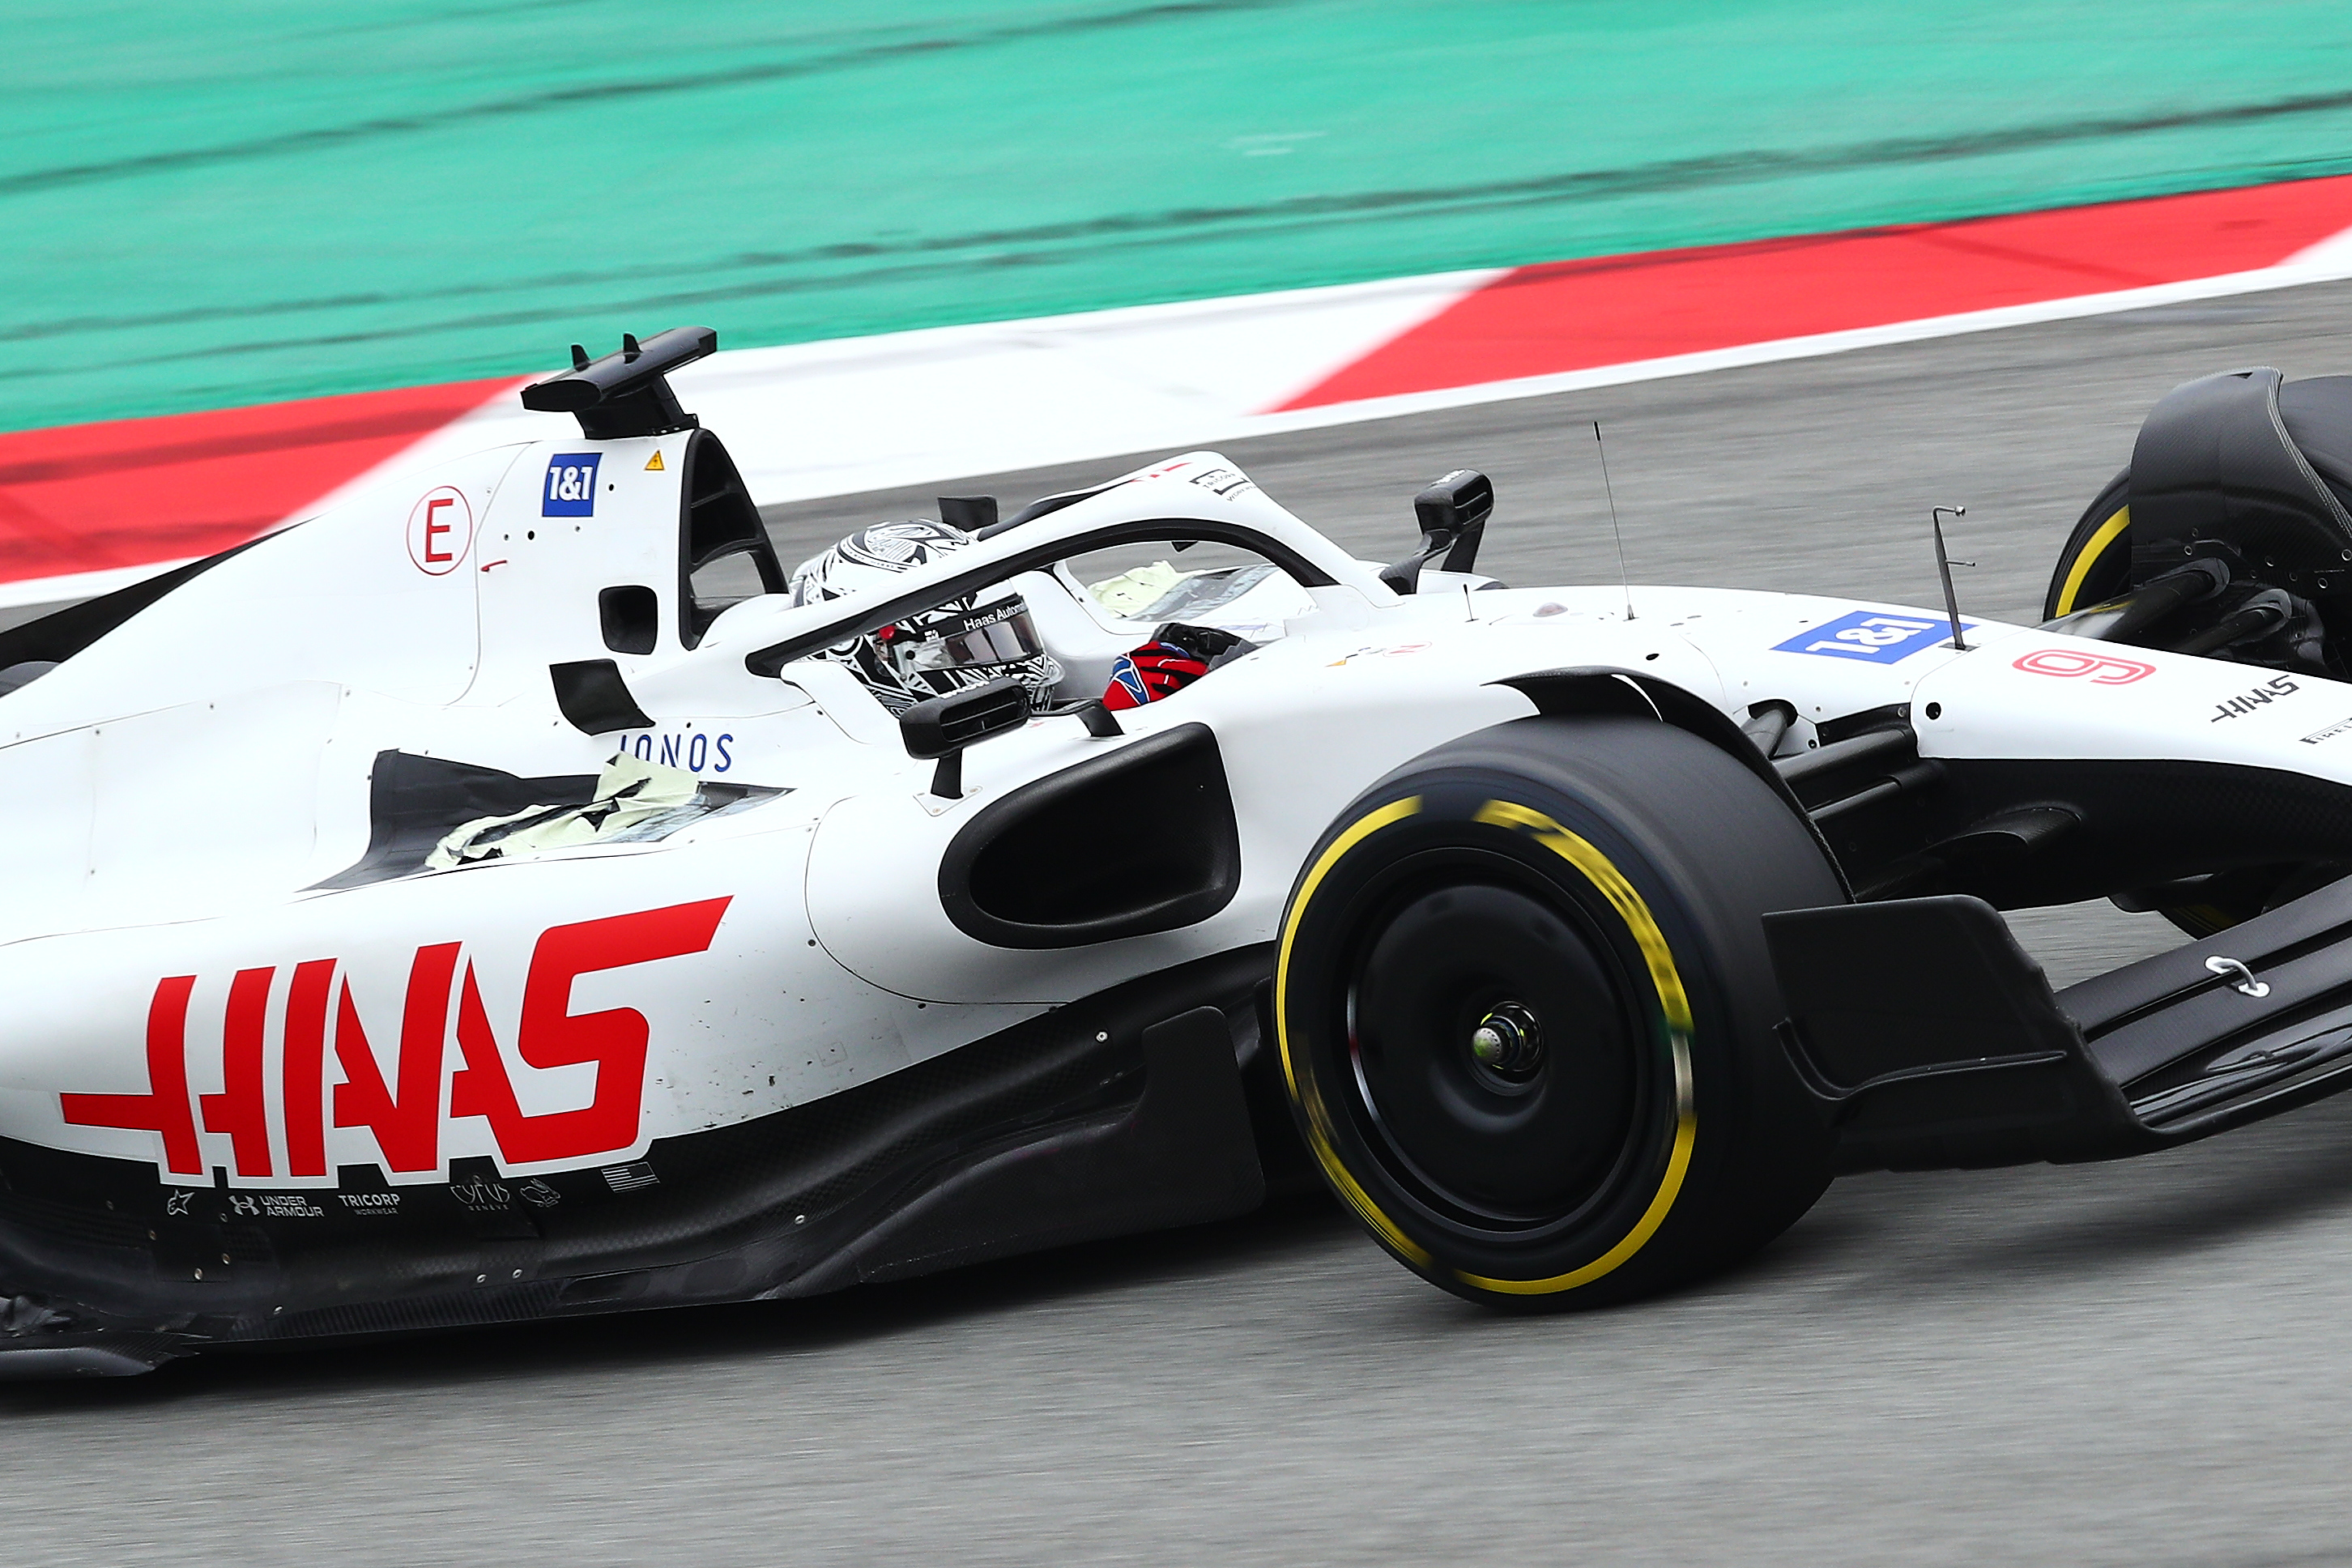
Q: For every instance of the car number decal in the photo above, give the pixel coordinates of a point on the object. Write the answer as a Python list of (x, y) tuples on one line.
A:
[(1870, 636), (2101, 669)]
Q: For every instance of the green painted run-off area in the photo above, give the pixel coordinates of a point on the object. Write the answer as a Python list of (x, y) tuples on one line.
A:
[(204, 206)]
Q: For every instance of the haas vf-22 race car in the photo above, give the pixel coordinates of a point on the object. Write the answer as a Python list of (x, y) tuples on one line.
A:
[(513, 894)]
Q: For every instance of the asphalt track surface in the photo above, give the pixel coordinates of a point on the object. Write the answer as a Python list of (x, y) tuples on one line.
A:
[(2144, 1363)]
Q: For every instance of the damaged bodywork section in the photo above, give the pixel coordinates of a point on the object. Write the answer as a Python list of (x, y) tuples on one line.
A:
[(428, 812), (636, 802)]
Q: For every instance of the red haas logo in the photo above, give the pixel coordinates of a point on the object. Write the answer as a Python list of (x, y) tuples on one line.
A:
[(405, 1112)]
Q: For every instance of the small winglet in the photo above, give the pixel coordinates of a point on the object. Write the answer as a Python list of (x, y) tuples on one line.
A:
[(626, 393)]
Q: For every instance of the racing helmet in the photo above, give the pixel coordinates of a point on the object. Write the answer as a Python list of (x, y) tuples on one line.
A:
[(954, 646)]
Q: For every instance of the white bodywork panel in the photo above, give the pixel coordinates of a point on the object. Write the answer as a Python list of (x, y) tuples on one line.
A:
[(182, 786)]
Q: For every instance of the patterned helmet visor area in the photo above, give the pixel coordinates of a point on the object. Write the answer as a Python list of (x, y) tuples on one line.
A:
[(1001, 634)]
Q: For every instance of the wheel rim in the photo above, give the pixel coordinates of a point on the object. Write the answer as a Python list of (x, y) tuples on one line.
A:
[(1496, 1045)]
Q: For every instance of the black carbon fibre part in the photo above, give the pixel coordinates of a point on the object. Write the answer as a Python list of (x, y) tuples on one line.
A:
[(62, 634), (2216, 466), (2140, 822), (1930, 1039), (415, 801)]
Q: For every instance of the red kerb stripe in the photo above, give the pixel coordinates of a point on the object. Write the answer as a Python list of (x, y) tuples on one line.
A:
[(130, 492), (1575, 315)]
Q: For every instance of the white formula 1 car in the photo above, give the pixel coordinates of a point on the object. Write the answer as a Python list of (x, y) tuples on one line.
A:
[(497, 898)]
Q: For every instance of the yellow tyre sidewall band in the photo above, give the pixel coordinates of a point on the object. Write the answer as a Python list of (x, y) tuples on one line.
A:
[(1666, 978), (1306, 1093), (2108, 533)]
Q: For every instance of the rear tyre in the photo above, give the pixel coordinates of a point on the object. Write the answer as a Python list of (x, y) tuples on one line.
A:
[(1527, 1016)]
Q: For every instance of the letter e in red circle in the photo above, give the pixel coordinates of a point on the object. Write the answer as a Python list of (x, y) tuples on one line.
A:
[(440, 530)]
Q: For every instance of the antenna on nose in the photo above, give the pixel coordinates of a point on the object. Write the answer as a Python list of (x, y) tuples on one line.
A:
[(1943, 564)]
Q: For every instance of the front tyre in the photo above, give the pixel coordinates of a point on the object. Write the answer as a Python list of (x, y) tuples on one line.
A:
[(2094, 567), (1526, 1015), (2095, 563)]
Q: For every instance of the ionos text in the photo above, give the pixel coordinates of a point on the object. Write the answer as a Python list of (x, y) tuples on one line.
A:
[(694, 751)]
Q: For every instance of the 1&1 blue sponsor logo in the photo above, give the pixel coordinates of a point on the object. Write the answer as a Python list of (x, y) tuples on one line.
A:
[(1872, 636), (571, 485)]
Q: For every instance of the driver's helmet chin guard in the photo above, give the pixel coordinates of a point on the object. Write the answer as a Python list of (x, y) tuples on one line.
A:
[(954, 647)]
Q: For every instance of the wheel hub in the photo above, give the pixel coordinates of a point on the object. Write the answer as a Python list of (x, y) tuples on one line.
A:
[(1509, 1042), (1495, 1049)]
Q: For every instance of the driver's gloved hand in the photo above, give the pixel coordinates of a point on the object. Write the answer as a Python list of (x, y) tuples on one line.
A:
[(1177, 656), (1155, 671), (1207, 644)]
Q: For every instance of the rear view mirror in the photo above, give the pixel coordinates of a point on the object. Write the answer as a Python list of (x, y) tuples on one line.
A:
[(973, 514), (1453, 512), (942, 727)]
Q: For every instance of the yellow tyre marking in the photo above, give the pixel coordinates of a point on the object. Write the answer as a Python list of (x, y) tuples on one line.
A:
[(2108, 533), (1363, 827), (1319, 1116), (1673, 1002)]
